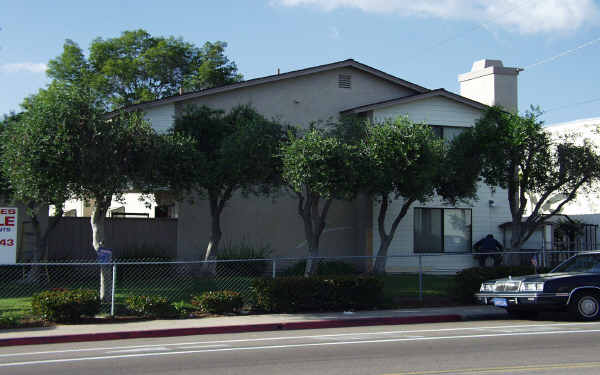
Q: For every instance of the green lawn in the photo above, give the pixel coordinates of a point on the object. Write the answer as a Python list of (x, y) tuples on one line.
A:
[(21, 305), (399, 288), (408, 285), (18, 295)]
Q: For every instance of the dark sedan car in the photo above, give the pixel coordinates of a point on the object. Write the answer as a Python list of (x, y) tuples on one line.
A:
[(574, 285)]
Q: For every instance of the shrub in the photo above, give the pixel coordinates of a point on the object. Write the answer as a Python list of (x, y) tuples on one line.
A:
[(294, 294), (468, 281), (11, 320), (219, 302), (323, 268), (64, 305), (150, 306), (181, 309)]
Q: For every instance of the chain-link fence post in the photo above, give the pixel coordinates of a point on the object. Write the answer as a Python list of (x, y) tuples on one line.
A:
[(112, 294), (420, 278), (274, 272), (544, 254)]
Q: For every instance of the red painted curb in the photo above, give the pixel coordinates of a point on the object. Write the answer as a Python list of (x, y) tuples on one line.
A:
[(227, 329)]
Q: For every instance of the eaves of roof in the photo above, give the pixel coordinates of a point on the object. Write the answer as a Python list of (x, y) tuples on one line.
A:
[(550, 220), (416, 97)]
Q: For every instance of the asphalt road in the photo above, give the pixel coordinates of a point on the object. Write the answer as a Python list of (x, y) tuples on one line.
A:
[(484, 347)]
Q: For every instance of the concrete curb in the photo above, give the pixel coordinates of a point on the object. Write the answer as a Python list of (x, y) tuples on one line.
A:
[(170, 332), (490, 316)]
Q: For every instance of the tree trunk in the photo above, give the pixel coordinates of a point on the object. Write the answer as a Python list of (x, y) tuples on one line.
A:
[(386, 238), (514, 202), (35, 273), (313, 247), (212, 250), (314, 224), (381, 260), (97, 221), (515, 237), (40, 248), (313, 251), (215, 232)]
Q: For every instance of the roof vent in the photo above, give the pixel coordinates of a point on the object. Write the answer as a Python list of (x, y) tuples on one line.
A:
[(345, 81)]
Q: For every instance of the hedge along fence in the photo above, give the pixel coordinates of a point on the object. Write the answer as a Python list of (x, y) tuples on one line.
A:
[(219, 302), (296, 293), (64, 305)]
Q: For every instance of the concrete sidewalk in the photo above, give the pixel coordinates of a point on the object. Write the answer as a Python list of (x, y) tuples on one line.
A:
[(242, 323)]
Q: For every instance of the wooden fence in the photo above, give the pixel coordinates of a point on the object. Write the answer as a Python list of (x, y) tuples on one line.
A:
[(127, 237)]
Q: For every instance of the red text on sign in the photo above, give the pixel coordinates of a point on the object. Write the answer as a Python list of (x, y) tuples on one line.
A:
[(9, 221)]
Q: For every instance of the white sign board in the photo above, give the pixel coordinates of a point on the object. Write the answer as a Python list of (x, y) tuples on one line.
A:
[(8, 235)]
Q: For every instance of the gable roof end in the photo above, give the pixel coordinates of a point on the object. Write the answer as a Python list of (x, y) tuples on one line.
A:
[(277, 77), (407, 99)]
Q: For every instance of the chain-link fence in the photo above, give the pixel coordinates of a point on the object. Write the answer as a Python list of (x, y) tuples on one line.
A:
[(411, 277)]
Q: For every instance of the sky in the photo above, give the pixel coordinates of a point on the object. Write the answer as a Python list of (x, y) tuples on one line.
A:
[(427, 42)]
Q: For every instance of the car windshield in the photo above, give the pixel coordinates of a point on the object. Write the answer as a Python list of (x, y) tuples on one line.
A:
[(580, 263)]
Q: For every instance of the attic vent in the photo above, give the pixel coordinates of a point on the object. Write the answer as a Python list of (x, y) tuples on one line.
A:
[(345, 81)]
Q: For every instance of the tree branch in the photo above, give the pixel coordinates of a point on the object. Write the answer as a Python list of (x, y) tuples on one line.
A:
[(400, 215), (546, 195), (308, 203), (381, 217), (526, 166), (569, 198), (226, 196), (324, 215), (512, 194), (300, 204), (536, 219)]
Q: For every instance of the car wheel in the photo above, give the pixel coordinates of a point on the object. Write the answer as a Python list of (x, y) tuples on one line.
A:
[(585, 306), (522, 314)]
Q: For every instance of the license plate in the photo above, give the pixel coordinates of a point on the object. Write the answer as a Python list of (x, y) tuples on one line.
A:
[(501, 302)]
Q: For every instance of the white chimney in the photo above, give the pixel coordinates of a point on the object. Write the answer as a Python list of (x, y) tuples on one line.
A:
[(489, 82)]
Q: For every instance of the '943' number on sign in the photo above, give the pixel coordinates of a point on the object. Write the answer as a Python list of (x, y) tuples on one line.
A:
[(9, 242)]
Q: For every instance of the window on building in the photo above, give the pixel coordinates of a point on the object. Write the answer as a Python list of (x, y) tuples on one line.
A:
[(439, 230), (447, 133)]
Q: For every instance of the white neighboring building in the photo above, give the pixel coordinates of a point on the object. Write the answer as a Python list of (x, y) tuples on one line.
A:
[(584, 130), (586, 207), (130, 205)]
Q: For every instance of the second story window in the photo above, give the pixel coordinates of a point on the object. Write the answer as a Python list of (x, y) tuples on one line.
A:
[(447, 133)]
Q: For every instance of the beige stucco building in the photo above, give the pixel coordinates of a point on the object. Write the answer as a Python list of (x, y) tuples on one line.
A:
[(324, 92)]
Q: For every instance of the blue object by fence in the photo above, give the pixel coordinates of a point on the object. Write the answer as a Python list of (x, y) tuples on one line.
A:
[(104, 255)]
